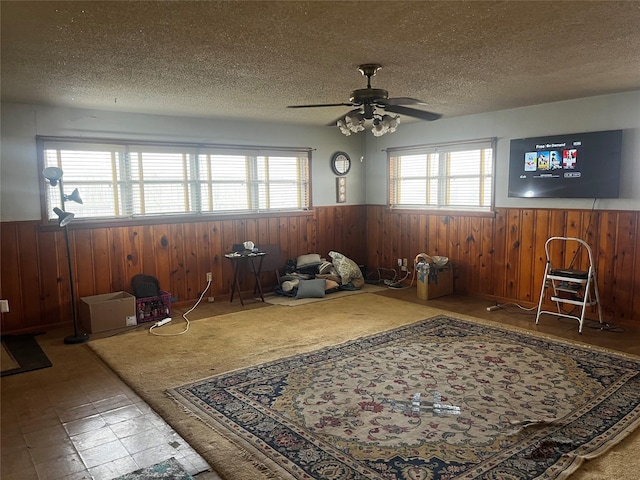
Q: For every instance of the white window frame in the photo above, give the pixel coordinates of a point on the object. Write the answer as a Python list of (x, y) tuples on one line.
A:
[(427, 178), (132, 179)]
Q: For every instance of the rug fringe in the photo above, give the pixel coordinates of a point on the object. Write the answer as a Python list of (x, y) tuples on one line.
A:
[(529, 424), (261, 467)]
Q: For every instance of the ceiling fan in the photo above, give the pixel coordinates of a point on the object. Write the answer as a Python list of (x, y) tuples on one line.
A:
[(368, 101)]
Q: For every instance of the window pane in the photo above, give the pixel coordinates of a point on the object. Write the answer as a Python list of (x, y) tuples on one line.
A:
[(223, 179), (84, 166), (433, 191), (226, 167), (440, 176), (278, 179), (464, 163), (163, 198), (90, 171), (279, 168), (230, 196), (412, 192), (434, 164), (464, 192), (486, 188), (97, 201), (488, 162), (413, 166), (158, 166), (280, 196), (121, 180)]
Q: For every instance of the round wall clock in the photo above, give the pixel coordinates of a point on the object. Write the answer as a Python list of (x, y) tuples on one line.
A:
[(340, 163)]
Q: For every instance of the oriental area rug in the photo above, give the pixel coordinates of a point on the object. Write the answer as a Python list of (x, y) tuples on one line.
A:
[(443, 398)]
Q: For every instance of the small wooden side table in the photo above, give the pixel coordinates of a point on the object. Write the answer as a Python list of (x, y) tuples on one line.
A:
[(252, 259)]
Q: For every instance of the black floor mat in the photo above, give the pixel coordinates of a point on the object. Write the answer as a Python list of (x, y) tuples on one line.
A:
[(26, 351)]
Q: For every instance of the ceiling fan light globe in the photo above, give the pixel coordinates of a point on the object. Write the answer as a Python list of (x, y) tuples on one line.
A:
[(392, 122), (356, 117), (355, 122), (379, 128), (343, 128)]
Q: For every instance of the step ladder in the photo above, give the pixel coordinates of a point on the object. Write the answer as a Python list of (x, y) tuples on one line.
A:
[(567, 285)]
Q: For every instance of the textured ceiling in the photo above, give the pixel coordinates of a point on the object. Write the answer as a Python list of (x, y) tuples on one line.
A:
[(252, 59)]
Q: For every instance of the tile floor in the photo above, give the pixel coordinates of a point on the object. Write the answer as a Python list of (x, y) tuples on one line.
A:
[(78, 420)]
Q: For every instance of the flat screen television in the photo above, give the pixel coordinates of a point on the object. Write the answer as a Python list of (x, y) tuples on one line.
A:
[(574, 165)]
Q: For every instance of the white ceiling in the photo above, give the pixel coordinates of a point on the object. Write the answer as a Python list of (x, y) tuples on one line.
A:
[(249, 60)]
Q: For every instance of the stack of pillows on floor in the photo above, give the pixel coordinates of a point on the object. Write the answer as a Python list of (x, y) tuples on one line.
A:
[(310, 276)]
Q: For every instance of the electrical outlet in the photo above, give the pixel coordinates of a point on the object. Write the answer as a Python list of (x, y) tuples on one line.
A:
[(209, 277), (211, 299), (399, 262), (404, 262), (4, 306)]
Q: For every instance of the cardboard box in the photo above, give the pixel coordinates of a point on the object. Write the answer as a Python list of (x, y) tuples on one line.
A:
[(435, 284), (108, 311)]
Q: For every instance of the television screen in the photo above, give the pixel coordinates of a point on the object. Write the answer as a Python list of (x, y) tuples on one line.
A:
[(575, 165)]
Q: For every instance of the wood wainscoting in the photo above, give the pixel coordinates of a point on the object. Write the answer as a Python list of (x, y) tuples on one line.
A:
[(502, 257), (499, 257), (34, 271)]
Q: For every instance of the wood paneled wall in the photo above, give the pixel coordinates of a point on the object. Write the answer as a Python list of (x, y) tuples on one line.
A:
[(503, 257), (34, 272), (498, 258)]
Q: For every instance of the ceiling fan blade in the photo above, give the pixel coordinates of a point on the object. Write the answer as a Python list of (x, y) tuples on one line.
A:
[(400, 101), (322, 105), (413, 112)]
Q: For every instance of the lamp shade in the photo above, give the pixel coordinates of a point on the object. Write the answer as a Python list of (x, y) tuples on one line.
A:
[(343, 127), (53, 174), (74, 197), (354, 121), (64, 218)]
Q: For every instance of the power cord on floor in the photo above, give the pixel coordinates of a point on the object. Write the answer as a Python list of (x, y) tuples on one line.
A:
[(390, 278), (588, 322), (380, 271), (184, 315), (502, 305), (596, 324), (397, 284)]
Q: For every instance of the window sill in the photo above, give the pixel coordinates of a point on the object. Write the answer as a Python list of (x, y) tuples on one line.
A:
[(444, 212), (79, 224)]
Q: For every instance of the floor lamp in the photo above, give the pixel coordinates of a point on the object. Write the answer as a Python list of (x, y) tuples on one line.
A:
[(54, 176)]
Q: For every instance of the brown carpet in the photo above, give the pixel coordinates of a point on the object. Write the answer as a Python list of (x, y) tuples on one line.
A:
[(151, 365)]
